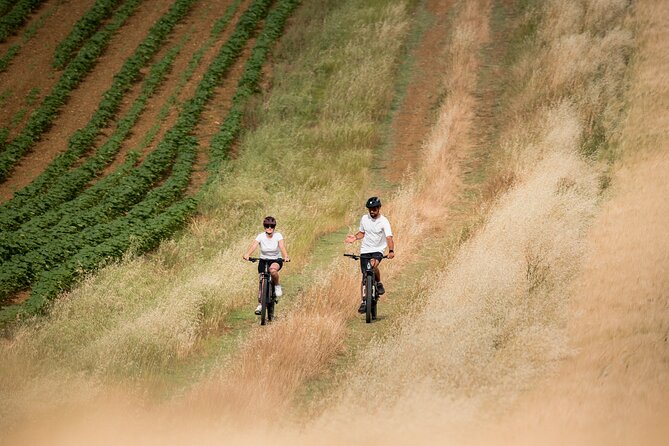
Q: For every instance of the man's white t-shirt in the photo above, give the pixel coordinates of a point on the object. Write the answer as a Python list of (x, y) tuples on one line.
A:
[(269, 247), (376, 232)]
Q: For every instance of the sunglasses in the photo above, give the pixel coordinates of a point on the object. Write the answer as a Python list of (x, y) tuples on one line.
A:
[(269, 226)]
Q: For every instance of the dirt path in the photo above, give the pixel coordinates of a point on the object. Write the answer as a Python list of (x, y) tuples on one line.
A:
[(418, 110)]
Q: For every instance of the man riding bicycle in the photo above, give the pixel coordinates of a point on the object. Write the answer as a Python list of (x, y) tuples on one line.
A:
[(376, 236), (272, 247)]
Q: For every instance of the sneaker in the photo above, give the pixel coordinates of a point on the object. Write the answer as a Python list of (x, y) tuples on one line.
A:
[(278, 292), (379, 288), (362, 307), (258, 309)]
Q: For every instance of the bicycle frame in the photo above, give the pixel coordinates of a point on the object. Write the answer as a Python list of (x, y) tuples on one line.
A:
[(368, 288), (266, 292)]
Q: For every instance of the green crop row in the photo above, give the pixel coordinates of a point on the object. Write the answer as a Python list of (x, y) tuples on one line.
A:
[(27, 35), (248, 85), (140, 237), (9, 55), (21, 270), (85, 27), (29, 202), (16, 17), (5, 6), (32, 234), (42, 118)]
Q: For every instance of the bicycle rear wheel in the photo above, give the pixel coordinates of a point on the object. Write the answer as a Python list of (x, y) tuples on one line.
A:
[(369, 297), (375, 301), (270, 304)]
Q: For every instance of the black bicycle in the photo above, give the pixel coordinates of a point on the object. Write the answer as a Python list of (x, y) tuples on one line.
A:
[(368, 287), (266, 292)]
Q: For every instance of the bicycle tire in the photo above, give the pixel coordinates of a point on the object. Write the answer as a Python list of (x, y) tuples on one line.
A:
[(270, 304), (369, 297), (264, 299), (375, 301)]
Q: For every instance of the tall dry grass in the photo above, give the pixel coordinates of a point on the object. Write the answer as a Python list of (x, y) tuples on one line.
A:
[(613, 389), (273, 363)]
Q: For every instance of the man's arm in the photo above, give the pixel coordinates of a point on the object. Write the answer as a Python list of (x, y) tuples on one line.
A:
[(353, 237)]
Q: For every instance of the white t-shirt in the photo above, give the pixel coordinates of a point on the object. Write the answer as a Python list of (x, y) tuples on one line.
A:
[(376, 232), (269, 247)]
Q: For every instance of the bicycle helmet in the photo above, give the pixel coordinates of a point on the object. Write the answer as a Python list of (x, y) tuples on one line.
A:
[(373, 202)]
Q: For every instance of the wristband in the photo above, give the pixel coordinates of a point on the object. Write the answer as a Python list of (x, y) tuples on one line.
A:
[(391, 250)]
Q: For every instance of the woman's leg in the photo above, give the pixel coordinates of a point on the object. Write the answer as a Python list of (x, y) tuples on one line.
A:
[(274, 272)]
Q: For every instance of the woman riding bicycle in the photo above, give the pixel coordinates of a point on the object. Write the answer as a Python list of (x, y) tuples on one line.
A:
[(272, 247), (376, 236)]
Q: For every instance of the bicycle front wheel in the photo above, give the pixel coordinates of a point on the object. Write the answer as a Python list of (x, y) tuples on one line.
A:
[(264, 300), (369, 297)]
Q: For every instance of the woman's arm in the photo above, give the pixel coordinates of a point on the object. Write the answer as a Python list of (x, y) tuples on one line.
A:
[(253, 247), (284, 253)]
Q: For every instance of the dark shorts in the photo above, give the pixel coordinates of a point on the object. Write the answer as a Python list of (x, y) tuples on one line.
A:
[(261, 264), (365, 257)]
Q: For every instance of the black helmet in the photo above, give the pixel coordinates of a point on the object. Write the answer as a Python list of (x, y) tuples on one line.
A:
[(374, 202), (269, 221)]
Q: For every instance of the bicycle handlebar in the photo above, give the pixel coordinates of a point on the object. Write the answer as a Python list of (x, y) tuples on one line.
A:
[(356, 257), (255, 259)]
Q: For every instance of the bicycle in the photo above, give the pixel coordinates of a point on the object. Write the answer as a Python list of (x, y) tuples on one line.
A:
[(368, 288), (267, 294)]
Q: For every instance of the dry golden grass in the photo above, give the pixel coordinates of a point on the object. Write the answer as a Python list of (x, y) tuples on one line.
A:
[(274, 362), (613, 389)]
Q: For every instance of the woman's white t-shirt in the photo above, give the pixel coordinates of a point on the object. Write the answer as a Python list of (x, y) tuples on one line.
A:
[(376, 232), (269, 247)]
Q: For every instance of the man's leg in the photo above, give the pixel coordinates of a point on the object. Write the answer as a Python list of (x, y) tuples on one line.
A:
[(377, 277)]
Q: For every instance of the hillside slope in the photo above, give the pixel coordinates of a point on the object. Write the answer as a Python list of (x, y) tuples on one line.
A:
[(521, 160)]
